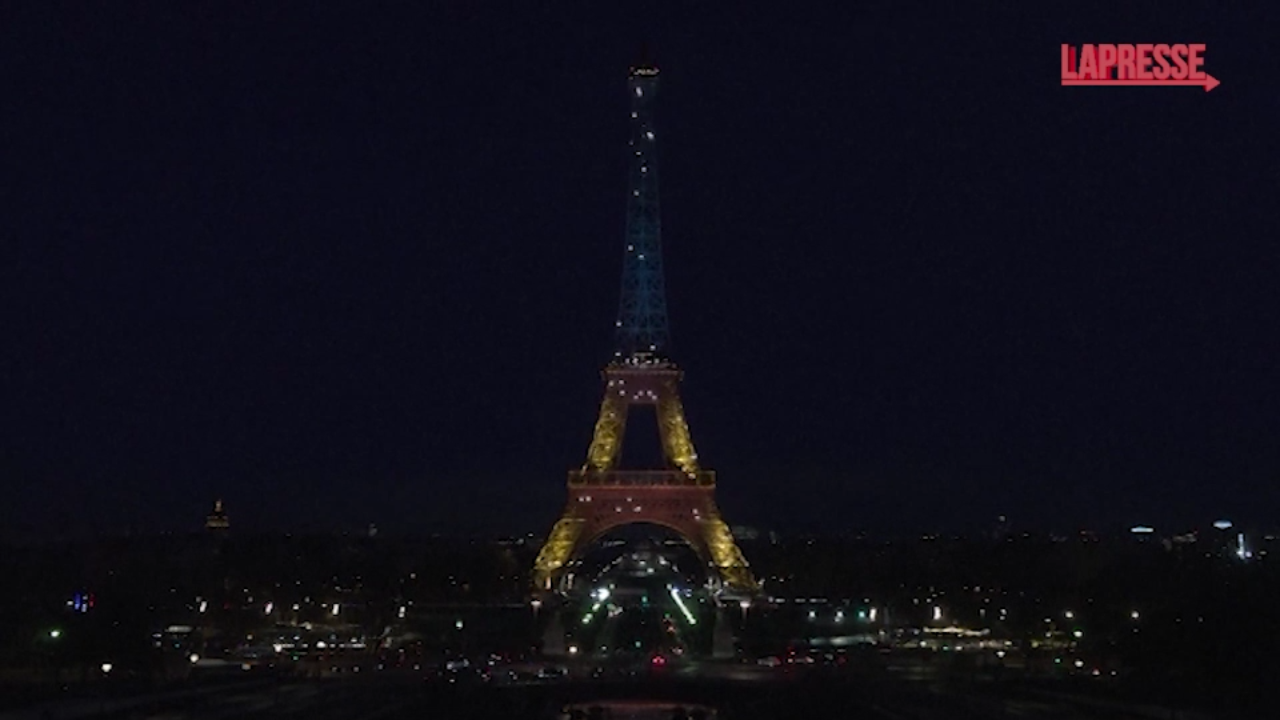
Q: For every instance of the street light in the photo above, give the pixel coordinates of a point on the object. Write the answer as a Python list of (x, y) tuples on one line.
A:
[(55, 634), (106, 667)]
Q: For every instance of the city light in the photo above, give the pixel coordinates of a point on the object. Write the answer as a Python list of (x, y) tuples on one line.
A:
[(1242, 551), (573, 649), (106, 667), (937, 612), (194, 658), (675, 595), (55, 634)]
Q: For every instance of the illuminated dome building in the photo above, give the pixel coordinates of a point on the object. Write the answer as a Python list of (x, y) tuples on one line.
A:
[(217, 520)]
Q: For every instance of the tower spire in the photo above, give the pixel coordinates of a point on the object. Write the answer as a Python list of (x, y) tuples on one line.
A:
[(642, 309)]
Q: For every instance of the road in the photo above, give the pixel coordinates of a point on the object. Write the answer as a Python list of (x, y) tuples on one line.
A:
[(743, 692)]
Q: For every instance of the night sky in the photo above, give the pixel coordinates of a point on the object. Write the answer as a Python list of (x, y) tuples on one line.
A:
[(343, 264)]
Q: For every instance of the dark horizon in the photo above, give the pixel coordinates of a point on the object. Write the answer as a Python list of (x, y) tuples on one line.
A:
[(1257, 537), (345, 268)]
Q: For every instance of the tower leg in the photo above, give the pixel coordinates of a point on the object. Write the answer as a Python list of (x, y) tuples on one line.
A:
[(606, 440), (556, 551), (729, 562), (674, 429)]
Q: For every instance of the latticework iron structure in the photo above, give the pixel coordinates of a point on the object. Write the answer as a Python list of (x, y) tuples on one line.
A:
[(681, 495), (642, 307)]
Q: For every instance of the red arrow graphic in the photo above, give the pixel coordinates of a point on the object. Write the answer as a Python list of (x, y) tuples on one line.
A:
[(1209, 82)]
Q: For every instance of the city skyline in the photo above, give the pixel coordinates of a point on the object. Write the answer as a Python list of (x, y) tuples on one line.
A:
[(348, 276)]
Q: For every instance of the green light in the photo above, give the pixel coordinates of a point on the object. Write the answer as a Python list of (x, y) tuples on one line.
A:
[(675, 595)]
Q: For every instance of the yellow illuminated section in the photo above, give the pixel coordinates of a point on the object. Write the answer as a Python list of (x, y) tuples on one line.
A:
[(606, 441), (676, 441), (556, 551), (726, 556), (657, 383)]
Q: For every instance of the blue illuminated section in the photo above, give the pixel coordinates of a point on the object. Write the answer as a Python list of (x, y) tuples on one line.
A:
[(642, 310)]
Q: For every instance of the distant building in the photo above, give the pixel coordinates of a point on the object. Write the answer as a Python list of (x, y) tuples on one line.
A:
[(218, 519)]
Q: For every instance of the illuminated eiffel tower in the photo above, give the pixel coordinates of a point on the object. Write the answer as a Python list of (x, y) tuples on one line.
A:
[(681, 495)]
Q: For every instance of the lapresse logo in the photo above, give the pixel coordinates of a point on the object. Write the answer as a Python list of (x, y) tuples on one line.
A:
[(1140, 64)]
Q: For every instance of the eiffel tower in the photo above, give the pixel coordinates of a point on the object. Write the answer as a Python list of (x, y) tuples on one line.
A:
[(681, 495)]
